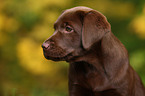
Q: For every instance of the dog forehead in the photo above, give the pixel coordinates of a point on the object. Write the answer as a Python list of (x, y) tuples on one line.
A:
[(76, 9), (69, 13)]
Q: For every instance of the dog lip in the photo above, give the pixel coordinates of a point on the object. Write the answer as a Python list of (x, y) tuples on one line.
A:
[(54, 58), (63, 58)]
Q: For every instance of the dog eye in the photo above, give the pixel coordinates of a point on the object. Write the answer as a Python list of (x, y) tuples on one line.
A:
[(68, 29)]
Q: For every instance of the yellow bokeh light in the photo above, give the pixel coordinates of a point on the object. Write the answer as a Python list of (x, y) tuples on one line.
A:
[(138, 25)]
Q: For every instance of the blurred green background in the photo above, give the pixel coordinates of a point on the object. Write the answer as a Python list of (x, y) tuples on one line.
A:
[(25, 24)]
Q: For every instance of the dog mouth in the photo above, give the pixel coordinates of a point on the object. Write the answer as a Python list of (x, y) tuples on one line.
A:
[(66, 57)]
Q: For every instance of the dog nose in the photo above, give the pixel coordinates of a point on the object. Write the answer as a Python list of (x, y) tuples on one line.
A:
[(45, 45)]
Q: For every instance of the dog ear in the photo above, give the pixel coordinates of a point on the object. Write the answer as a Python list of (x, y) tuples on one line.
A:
[(95, 25)]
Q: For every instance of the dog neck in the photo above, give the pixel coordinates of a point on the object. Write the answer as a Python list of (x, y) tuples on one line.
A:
[(101, 62), (105, 57)]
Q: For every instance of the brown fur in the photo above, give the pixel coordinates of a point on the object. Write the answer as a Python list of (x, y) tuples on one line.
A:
[(99, 64)]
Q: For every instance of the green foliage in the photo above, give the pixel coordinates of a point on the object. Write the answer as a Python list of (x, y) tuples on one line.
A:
[(25, 24)]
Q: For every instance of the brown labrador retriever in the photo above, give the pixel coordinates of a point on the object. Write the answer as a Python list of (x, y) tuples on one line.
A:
[(99, 64)]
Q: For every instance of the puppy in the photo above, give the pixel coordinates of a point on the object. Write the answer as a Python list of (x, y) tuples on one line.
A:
[(99, 64)]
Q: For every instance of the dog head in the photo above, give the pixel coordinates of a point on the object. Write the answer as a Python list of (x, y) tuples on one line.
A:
[(76, 31)]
